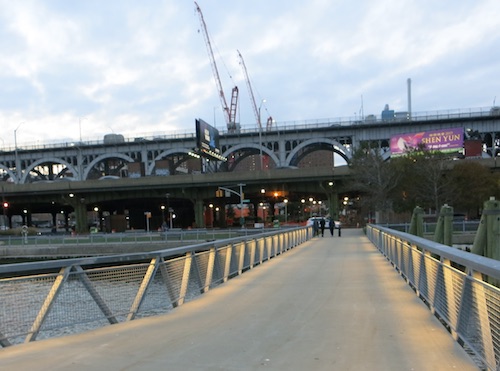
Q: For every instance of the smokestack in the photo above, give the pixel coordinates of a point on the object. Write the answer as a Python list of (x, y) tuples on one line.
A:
[(409, 99)]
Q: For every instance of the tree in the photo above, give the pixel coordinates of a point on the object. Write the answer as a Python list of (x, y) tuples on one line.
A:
[(473, 185), (432, 186), (374, 178), (423, 178), (424, 181)]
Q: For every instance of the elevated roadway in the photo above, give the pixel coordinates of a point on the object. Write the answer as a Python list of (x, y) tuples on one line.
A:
[(137, 173), (148, 193), (329, 304)]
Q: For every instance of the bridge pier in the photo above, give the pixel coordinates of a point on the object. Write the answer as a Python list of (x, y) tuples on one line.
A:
[(80, 208), (199, 219), (333, 204)]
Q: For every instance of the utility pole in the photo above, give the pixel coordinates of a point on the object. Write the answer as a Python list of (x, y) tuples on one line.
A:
[(241, 195)]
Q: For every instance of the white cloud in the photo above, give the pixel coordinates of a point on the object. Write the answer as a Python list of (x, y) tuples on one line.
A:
[(136, 67)]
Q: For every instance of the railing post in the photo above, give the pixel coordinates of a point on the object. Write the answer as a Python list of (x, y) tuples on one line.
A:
[(252, 249), (148, 277), (210, 269), (47, 305), (185, 278), (484, 322), (227, 265), (242, 252)]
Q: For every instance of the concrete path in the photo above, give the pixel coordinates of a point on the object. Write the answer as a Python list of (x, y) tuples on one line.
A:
[(330, 304)]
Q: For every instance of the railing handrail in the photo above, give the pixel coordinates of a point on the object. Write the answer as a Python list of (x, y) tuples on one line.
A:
[(5, 269), (473, 262), (279, 125), (459, 287), (53, 297)]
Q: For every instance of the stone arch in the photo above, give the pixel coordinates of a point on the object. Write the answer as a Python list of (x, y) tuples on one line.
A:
[(258, 147), (337, 148), (52, 160), (164, 154), (100, 158)]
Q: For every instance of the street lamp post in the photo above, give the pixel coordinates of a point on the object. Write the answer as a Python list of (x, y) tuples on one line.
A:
[(286, 211), (241, 195), (18, 165), (242, 218), (168, 209), (260, 134), (80, 126), (171, 216), (162, 207), (263, 207), (211, 206), (96, 218)]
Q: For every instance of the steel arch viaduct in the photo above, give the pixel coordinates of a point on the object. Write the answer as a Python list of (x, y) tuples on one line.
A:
[(28, 173)]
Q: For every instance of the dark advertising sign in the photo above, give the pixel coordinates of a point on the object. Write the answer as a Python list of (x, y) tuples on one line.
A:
[(207, 140)]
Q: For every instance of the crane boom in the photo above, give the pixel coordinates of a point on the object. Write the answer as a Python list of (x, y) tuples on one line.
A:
[(250, 91), (256, 110), (229, 113)]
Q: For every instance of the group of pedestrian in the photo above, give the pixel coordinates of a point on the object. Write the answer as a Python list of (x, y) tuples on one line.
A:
[(319, 227)]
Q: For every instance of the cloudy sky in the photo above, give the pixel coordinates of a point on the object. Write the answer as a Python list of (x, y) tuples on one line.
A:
[(86, 68)]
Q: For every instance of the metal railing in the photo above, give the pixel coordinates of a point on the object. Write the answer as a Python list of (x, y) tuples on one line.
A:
[(66, 239), (47, 299), (459, 226), (460, 288), (447, 114)]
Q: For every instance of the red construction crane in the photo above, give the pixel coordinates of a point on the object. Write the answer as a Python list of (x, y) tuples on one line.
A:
[(229, 112), (250, 91), (256, 110), (269, 123)]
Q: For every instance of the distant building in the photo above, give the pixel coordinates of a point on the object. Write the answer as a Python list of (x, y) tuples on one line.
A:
[(387, 114)]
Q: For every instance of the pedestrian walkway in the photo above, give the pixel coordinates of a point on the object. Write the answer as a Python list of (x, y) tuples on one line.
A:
[(333, 303)]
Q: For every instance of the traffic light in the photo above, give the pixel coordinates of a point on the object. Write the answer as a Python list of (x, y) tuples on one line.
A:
[(219, 193), (5, 205)]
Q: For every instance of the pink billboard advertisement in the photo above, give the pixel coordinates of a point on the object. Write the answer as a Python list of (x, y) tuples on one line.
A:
[(445, 140)]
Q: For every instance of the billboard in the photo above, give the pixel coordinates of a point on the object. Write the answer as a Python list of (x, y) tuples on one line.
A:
[(207, 140), (444, 140)]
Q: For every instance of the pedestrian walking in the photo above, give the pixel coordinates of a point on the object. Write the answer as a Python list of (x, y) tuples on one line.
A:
[(340, 229), (315, 227), (331, 226), (322, 226)]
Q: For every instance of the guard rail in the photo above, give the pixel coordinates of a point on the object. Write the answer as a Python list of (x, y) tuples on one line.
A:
[(459, 287), (47, 299)]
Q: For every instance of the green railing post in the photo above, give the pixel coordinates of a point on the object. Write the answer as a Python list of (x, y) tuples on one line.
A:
[(417, 222), (487, 240), (444, 226)]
